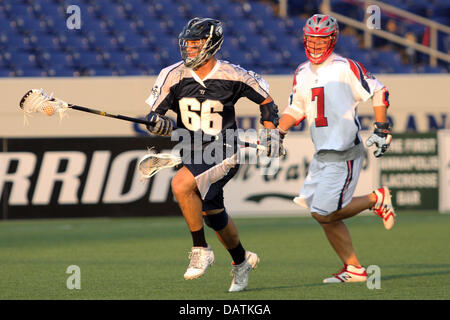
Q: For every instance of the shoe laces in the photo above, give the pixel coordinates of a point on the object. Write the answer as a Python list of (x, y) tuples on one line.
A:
[(343, 270), (382, 211), (196, 259), (239, 272)]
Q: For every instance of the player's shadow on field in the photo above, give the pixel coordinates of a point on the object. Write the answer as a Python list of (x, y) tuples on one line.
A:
[(388, 277), (417, 274), (411, 275), (301, 285)]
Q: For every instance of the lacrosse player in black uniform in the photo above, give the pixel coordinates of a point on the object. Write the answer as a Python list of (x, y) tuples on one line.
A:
[(202, 91)]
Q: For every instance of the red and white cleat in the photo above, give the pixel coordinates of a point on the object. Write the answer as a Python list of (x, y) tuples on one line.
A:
[(348, 274), (383, 207)]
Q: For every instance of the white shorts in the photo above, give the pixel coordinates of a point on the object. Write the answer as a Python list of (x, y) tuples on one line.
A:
[(329, 186)]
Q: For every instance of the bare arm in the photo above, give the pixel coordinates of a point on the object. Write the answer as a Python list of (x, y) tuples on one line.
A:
[(380, 113), (286, 122)]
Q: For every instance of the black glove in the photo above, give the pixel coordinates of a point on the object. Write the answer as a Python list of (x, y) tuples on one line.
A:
[(381, 137), (163, 125), (272, 139)]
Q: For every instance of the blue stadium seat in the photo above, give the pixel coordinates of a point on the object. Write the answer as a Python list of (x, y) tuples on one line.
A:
[(386, 58), (269, 58), (131, 71), (74, 42), (347, 42), (53, 11), (400, 68), (61, 71), (6, 25), (174, 27), (148, 58), (101, 71), (102, 42), (45, 41), (57, 59), (167, 43), (430, 69), (56, 25), (256, 43), (170, 57), (142, 35), (29, 24), (233, 11), (15, 41), (20, 10), (88, 59), (261, 10), (4, 72), (238, 57), (122, 26), (154, 27), (246, 27), (283, 70), (21, 59), (117, 58), (94, 27), (33, 72)]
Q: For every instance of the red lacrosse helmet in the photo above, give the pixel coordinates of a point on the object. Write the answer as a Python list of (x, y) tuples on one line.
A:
[(326, 29)]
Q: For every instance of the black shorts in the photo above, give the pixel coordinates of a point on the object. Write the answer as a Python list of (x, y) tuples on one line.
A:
[(211, 178)]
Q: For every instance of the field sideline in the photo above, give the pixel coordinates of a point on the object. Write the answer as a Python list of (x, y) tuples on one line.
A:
[(145, 258)]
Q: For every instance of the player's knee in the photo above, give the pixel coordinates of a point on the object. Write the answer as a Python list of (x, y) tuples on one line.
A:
[(216, 221), (182, 185), (320, 218)]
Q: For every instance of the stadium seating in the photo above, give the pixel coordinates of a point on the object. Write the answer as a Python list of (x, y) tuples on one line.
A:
[(139, 37)]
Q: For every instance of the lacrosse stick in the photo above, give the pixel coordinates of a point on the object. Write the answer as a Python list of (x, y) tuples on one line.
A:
[(38, 101), (152, 163)]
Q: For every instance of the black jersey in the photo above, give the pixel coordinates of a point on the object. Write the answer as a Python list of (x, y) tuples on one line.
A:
[(205, 104)]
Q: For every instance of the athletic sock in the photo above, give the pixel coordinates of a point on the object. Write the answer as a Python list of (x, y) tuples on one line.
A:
[(238, 254), (198, 238)]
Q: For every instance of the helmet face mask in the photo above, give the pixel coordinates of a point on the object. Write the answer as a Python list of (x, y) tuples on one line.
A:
[(200, 39), (317, 46), (320, 35)]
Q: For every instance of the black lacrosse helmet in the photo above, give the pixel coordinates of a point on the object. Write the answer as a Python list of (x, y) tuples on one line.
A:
[(197, 29)]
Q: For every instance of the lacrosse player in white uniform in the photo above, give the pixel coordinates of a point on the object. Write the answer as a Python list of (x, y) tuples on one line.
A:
[(202, 92), (326, 92)]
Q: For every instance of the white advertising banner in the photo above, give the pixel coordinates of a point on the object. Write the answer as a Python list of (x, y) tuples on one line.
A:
[(444, 168), (251, 193)]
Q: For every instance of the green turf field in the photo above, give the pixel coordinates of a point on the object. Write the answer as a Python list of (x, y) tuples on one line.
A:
[(145, 258)]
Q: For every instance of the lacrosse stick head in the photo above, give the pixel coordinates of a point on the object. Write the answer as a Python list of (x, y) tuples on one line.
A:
[(152, 163), (38, 101)]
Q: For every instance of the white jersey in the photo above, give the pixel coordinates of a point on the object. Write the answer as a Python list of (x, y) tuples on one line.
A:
[(327, 95)]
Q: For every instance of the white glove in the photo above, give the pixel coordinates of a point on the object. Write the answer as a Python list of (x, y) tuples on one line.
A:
[(381, 137), (272, 139)]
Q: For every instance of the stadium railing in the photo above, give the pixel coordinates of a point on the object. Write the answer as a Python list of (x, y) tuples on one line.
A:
[(434, 27)]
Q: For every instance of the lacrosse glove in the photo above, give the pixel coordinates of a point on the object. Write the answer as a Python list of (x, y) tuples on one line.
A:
[(381, 137), (162, 126), (272, 139)]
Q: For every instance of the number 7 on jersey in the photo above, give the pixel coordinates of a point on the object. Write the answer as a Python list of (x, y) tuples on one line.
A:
[(321, 120)]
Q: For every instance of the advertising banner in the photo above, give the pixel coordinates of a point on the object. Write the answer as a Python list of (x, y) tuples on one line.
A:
[(98, 177), (80, 177), (444, 166), (253, 193), (411, 170)]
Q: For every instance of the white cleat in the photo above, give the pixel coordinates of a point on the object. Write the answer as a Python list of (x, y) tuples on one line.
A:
[(383, 207), (241, 272), (201, 259), (348, 274)]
